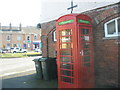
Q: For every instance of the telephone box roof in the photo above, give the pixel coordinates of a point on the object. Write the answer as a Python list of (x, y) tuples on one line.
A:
[(74, 15)]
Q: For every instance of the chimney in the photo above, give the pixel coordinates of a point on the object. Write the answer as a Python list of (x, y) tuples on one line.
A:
[(20, 26), (0, 27), (10, 26)]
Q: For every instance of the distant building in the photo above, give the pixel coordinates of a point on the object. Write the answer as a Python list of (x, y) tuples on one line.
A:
[(106, 35), (23, 37)]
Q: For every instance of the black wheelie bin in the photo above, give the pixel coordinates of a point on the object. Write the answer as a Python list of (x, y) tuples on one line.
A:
[(49, 68), (38, 68)]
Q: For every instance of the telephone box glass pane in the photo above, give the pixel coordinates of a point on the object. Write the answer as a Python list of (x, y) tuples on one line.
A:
[(87, 64), (65, 32), (67, 79), (85, 38), (66, 39), (67, 73), (66, 46), (65, 66), (86, 52), (66, 52), (86, 58), (85, 31), (66, 59), (86, 45)]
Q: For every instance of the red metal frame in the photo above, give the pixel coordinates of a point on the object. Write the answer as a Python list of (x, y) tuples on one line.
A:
[(80, 72)]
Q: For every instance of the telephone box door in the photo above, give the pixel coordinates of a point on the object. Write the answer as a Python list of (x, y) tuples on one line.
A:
[(86, 56)]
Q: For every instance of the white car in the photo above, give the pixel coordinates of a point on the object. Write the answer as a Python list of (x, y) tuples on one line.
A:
[(37, 50), (18, 50), (4, 51)]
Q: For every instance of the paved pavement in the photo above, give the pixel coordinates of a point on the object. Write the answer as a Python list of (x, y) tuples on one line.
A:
[(21, 73), (27, 80)]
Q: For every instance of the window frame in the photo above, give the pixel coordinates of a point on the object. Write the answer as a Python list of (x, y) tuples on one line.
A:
[(116, 28), (54, 36)]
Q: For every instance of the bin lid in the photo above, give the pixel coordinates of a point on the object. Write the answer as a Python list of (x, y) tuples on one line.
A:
[(47, 59), (36, 59), (43, 59)]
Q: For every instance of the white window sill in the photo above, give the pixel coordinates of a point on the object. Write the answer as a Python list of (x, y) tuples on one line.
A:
[(115, 37)]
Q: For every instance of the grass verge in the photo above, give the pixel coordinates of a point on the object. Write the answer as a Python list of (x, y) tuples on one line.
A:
[(18, 55)]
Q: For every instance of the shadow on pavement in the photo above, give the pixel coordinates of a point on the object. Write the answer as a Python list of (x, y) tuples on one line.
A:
[(27, 81)]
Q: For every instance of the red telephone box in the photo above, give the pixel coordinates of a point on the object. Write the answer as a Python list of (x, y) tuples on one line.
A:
[(75, 51)]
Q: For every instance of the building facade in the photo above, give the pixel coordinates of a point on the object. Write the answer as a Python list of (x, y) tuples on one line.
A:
[(22, 37), (106, 35)]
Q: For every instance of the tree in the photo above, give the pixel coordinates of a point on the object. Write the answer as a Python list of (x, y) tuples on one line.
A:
[(39, 25)]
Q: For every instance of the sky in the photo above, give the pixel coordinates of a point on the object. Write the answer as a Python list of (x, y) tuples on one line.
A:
[(32, 12), (26, 12)]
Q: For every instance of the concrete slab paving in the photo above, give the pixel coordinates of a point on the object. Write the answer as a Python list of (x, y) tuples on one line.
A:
[(27, 80)]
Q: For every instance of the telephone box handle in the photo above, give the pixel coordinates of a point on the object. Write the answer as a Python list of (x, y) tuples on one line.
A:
[(81, 52)]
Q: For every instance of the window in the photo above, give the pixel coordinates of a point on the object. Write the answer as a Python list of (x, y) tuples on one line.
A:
[(19, 45), (8, 38), (28, 45), (28, 38), (8, 46), (18, 38), (112, 28), (118, 21), (54, 36), (14, 45), (35, 36)]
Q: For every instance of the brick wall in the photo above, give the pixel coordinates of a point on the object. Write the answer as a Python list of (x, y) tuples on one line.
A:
[(46, 28), (106, 58), (105, 49)]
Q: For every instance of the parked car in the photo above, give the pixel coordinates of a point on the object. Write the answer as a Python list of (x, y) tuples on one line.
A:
[(18, 50), (0, 50), (37, 50), (4, 50)]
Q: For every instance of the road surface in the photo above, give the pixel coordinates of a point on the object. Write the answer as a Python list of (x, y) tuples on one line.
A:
[(17, 65), (21, 73)]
